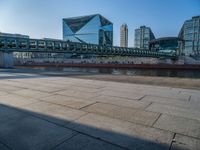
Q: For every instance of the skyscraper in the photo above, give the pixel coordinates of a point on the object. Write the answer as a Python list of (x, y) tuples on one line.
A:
[(124, 35), (93, 29), (190, 37), (142, 37)]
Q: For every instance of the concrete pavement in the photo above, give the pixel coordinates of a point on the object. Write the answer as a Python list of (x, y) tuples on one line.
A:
[(39, 112)]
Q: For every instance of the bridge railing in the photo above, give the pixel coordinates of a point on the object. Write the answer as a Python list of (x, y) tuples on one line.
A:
[(11, 44)]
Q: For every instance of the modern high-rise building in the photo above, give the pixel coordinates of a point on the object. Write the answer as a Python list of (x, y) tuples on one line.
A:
[(142, 37), (93, 29), (190, 37), (124, 35)]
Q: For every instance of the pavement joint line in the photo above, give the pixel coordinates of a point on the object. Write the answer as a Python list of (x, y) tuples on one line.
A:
[(120, 97), (100, 139), (88, 105), (64, 140), (122, 106), (142, 97), (173, 141), (23, 96), (147, 105), (57, 124), (59, 104), (72, 129), (30, 88), (34, 103), (179, 99), (56, 94), (156, 120), (7, 146), (198, 138), (136, 123), (190, 98), (76, 97), (87, 86), (86, 113)]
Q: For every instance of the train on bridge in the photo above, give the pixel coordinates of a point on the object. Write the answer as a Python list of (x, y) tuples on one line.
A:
[(19, 44)]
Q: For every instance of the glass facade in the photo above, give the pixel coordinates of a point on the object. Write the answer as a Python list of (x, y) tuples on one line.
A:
[(93, 29), (190, 37), (142, 37), (164, 44)]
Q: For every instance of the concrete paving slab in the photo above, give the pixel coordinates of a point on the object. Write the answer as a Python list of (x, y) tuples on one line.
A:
[(26, 132), (67, 101), (46, 89), (8, 113), (3, 147), (185, 143), (123, 88), (86, 143), (54, 113), (84, 89), (18, 84), (180, 125), (3, 93), (132, 96), (174, 110), (195, 99), (31, 93), (123, 133), (121, 102), (16, 100), (162, 93), (92, 85), (173, 102), (78, 94), (123, 113), (7, 88)]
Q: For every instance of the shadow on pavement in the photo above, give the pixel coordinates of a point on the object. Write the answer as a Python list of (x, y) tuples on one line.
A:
[(23, 130)]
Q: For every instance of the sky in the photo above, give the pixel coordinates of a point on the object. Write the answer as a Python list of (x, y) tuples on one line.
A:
[(43, 18)]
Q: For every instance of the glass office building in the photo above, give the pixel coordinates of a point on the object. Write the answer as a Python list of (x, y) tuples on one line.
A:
[(124, 35), (93, 29), (190, 37), (142, 37)]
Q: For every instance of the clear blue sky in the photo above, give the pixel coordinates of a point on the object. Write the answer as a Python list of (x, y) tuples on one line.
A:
[(43, 18)]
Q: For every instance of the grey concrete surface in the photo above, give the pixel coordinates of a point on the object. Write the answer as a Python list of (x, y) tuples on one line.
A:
[(123, 113), (86, 143), (180, 125), (3, 147), (185, 143), (123, 133), (45, 112)]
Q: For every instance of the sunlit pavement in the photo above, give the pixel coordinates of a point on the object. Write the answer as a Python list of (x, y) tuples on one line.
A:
[(39, 112)]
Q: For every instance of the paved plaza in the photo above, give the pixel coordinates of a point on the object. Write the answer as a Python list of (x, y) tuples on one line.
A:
[(39, 112)]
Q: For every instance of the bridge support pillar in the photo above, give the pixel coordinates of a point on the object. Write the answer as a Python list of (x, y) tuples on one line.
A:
[(6, 60)]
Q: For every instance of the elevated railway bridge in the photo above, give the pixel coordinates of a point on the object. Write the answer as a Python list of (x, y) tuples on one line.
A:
[(8, 45)]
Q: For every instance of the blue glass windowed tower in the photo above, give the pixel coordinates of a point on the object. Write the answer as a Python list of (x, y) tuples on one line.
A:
[(92, 29)]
